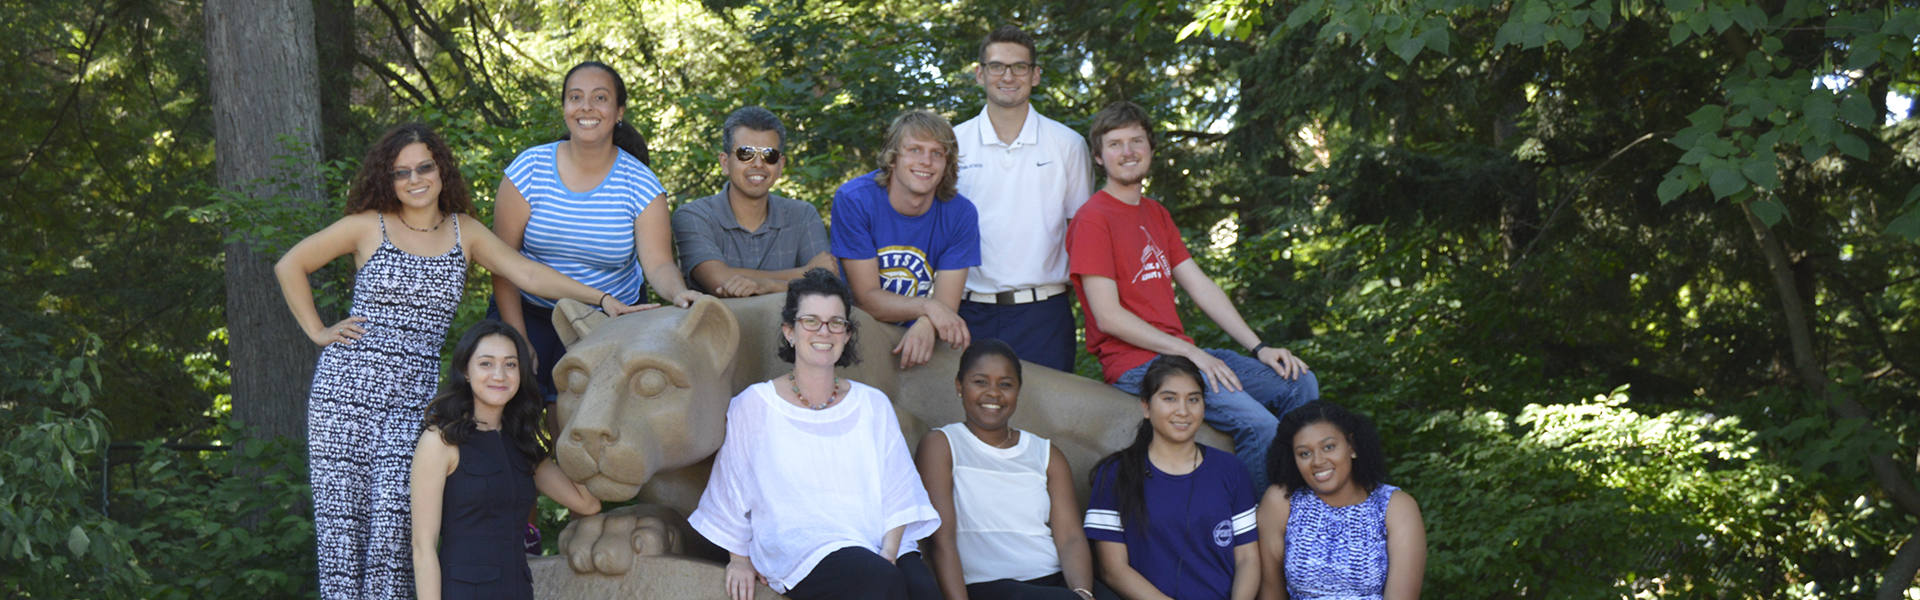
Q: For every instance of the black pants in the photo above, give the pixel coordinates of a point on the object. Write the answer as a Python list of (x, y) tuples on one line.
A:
[(859, 574), (1051, 587)]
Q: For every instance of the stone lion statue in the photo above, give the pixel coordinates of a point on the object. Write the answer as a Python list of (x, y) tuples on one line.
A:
[(643, 402)]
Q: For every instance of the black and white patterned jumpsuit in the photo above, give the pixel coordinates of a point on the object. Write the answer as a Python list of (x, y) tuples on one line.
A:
[(364, 418)]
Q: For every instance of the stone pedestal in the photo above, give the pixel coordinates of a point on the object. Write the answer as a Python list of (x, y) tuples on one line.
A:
[(652, 578)]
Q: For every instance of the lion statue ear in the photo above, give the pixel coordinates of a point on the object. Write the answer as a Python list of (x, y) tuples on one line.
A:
[(573, 319), (712, 328)]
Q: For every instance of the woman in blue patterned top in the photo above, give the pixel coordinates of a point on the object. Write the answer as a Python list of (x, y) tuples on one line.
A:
[(1330, 525), (1168, 517), (589, 207)]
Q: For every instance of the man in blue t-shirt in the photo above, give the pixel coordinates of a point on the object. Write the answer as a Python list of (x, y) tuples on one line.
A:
[(905, 237)]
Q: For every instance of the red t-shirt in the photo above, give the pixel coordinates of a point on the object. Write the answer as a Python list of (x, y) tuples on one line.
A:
[(1137, 247)]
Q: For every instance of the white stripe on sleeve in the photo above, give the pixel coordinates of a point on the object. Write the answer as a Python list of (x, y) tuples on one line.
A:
[(1104, 519)]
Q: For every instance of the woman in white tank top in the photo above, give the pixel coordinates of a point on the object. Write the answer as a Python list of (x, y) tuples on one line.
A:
[(1010, 525)]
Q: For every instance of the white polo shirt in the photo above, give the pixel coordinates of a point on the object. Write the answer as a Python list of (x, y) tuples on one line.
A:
[(1025, 193)]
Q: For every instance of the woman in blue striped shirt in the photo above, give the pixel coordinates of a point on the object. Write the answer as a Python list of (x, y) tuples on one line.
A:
[(589, 207)]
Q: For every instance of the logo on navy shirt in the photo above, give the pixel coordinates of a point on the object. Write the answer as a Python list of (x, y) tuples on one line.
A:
[(903, 271), (1223, 533)]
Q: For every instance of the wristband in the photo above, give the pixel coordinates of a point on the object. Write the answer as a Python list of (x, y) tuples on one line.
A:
[(1257, 348), (601, 303), (1083, 593)]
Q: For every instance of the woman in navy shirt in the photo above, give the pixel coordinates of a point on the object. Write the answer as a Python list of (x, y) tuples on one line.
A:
[(1170, 518)]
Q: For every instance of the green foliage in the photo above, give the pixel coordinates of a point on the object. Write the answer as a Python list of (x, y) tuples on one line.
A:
[(1458, 212), (1591, 500), (55, 543), (232, 524), (206, 525)]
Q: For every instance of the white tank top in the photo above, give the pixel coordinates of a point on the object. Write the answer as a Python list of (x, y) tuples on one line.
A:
[(1001, 507)]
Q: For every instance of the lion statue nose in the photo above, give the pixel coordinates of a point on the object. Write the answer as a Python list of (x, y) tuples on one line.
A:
[(594, 438)]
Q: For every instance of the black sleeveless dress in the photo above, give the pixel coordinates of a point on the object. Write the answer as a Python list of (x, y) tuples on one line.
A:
[(482, 521)]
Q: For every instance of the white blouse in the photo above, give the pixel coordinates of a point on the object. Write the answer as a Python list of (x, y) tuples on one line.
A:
[(792, 485), (1001, 507)]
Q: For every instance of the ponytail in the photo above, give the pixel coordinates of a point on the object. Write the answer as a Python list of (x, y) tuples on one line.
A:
[(1129, 476), (625, 137)]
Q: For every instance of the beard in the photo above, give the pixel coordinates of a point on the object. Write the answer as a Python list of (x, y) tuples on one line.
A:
[(1126, 179)]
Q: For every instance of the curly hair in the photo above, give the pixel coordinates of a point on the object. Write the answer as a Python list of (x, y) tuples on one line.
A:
[(452, 410), (1369, 467), (927, 125), (820, 282), (1130, 476), (373, 185)]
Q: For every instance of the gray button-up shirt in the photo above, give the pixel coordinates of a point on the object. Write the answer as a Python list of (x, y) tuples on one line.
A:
[(705, 229)]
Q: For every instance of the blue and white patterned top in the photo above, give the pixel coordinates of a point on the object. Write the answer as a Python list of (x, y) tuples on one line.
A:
[(1337, 553), (584, 235)]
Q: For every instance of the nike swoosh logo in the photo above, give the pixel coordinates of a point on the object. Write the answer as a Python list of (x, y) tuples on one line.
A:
[(1042, 164)]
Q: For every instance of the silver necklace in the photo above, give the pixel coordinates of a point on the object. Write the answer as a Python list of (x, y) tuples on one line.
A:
[(795, 384)]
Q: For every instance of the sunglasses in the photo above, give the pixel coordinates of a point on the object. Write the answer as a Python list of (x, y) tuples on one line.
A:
[(406, 174), (834, 325), (745, 154)]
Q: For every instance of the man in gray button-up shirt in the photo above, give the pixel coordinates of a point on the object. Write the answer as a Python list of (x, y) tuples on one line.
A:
[(745, 241)]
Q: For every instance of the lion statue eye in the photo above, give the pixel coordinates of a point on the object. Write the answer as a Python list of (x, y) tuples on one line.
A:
[(650, 383), (576, 381)]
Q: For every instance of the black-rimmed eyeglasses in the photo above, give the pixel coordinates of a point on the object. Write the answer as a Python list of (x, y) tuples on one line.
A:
[(1019, 69), (834, 325)]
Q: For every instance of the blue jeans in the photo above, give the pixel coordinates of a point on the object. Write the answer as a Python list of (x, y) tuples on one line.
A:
[(1251, 415)]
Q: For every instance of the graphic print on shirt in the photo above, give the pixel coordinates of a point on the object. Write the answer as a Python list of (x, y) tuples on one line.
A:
[(1223, 533), (1153, 262), (903, 271)]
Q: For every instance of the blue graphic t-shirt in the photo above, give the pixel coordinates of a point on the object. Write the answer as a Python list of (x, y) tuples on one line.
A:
[(910, 249), (1193, 523)]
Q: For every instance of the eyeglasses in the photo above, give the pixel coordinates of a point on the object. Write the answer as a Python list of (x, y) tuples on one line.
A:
[(1019, 69), (834, 325), (745, 154), (406, 174)]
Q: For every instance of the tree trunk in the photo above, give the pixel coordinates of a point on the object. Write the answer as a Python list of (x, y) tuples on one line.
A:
[(334, 38), (261, 66), (1899, 574)]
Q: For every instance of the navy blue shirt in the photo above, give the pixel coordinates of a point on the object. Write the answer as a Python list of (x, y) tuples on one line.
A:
[(910, 249), (1194, 521)]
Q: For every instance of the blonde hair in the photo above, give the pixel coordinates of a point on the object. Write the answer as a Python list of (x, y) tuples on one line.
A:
[(929, 125)]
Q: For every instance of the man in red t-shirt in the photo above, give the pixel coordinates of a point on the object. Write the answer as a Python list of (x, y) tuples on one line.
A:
[(1124, 255)]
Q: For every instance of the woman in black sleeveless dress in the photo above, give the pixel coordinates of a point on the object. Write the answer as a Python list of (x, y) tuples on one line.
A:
[(476, 469)]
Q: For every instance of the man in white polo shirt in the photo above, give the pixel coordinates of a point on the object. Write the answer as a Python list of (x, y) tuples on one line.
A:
[(1026, 174)]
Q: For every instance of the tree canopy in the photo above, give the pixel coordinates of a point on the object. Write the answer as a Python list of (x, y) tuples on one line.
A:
[(1630, 286)]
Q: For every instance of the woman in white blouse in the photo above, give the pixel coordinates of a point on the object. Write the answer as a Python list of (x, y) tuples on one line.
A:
[(814, 493)]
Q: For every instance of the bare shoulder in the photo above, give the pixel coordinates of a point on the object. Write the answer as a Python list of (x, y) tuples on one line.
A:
[(935, 440), (1402, 505), (1275, 503), (1056, 457), (434, 449), (432, 440)]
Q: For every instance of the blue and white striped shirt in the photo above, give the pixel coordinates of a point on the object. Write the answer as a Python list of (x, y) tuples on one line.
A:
[(584, 235)]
